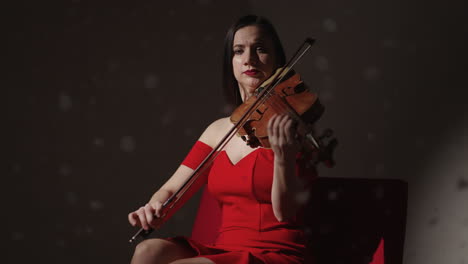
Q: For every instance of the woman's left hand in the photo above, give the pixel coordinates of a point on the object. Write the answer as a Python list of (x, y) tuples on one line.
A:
[(282, 137)]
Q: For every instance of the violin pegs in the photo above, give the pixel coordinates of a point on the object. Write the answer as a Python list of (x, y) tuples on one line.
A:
[(299, 88), (253, 141)]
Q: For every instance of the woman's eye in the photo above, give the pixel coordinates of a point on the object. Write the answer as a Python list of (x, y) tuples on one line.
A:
[(238, 51), (261, 50)]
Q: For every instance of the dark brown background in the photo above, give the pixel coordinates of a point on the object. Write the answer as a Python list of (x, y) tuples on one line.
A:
[(105, 98)]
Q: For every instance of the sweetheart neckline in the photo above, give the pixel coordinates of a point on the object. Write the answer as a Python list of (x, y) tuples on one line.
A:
[(239, 161)]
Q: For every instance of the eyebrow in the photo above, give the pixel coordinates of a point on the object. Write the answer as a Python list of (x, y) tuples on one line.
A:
[(256, 42)]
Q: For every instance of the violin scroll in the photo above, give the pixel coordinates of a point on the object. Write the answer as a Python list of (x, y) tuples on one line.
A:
[(325, 152)]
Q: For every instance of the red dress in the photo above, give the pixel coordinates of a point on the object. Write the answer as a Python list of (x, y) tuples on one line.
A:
[(249, 232)]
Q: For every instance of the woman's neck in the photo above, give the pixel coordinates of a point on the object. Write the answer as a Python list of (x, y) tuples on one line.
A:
[(245, 95)]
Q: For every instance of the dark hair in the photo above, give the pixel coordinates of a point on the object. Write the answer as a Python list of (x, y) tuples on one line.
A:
[(231, 89)]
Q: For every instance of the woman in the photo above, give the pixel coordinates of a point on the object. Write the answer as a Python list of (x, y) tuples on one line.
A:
[(256, 187)]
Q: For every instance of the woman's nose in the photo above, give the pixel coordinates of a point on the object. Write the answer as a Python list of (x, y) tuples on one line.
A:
[(251, 58)]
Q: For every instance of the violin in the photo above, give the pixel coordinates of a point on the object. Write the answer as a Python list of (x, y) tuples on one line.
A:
[(283, 93)]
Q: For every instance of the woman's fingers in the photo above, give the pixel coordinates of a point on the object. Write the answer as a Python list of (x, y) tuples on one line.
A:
[(149, 213), (273, 129), (289, 131), (157, 207), (132, 218), (142, 217), (283, 127), (282, 134), (146, 215)]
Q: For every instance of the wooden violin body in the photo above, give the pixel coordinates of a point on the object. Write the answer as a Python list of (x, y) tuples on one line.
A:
[(289, 95)]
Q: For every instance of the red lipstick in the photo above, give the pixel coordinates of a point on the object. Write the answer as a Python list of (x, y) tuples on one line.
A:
[(251, 72)]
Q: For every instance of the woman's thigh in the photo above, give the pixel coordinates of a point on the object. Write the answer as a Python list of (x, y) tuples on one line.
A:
[(160, 251)]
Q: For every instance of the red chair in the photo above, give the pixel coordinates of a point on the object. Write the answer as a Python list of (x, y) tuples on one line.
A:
[(347, 219)]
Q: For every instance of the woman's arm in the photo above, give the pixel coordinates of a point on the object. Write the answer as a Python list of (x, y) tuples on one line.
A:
[(144, 216), (286, 185)]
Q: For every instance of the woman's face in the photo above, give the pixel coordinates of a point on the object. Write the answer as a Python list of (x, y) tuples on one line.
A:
[(254, 58)]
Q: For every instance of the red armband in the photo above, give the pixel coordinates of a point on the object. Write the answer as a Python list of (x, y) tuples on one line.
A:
[(196, 155)]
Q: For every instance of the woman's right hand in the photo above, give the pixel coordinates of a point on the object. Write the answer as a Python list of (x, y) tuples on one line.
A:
[(146, 216)]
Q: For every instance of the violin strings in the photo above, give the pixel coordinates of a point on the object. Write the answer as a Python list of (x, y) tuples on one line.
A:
[(280, 106), (269, 91), (288, 67)]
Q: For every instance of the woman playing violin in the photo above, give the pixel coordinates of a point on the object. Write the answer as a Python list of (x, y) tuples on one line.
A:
[(256, 187)]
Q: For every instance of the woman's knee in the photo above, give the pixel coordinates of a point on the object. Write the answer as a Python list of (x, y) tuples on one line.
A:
[(198, 260), (151, 246), (159, 249), (150, 249)]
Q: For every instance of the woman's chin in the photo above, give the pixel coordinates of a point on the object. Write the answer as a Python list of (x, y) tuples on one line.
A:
[(250, 86), (251, 89), (254, 83)]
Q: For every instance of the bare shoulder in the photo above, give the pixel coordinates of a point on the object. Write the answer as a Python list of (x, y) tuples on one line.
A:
[(215, 131)]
